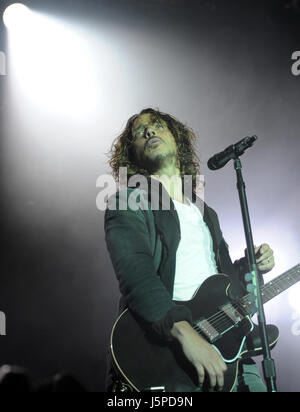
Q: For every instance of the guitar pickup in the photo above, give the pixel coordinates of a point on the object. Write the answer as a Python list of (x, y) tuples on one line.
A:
[(208, 330), (233, 313)]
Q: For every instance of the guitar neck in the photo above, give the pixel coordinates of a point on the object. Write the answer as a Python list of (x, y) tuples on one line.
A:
[(275, 286)]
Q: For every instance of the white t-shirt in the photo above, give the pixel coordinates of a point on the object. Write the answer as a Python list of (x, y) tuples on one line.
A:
[(195, 258)]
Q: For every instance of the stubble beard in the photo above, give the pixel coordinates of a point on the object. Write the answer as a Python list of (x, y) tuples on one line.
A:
[(153, 164)]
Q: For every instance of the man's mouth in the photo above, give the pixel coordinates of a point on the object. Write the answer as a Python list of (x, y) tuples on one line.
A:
[(153, 141)]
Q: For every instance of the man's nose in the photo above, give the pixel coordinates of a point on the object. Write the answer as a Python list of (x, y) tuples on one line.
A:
[(150, 132)]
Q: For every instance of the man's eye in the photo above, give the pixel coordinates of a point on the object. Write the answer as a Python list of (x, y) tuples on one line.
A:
[(141, 132)]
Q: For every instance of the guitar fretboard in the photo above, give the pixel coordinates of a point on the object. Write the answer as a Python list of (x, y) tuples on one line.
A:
[(274, 287)]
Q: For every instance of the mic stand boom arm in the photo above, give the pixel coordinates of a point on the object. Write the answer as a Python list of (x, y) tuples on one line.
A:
[(267, 363)]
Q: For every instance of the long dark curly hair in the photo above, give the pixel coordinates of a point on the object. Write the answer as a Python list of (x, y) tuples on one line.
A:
[(121, 154)]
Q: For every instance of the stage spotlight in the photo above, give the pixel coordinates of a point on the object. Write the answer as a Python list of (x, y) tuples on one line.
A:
[(16, 15), (50, 64)]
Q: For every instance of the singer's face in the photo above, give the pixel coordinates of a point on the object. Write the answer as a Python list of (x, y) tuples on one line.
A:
[(154, 146)]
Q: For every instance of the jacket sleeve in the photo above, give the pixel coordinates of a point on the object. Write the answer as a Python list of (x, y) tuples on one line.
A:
[(128, 243)]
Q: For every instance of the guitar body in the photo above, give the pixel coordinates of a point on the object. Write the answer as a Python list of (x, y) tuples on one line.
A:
[(148, 364), (145, 362)]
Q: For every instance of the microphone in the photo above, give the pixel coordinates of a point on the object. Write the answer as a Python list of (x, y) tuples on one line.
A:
[(219, 160)]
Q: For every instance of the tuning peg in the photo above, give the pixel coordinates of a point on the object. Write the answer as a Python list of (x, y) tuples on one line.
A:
[(251, 288), (251, 298), (248, 277)]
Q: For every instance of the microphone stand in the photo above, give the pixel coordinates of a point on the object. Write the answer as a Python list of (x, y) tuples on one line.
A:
[(267, 363)]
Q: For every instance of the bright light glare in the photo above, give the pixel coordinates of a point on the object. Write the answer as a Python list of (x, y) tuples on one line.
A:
[(294, 298), (16, 15), (51, 66)]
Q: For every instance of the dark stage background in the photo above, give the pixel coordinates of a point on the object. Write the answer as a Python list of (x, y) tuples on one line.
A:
[(223, 67)]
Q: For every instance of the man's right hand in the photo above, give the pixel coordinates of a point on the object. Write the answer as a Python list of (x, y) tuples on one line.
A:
[(201, 354)]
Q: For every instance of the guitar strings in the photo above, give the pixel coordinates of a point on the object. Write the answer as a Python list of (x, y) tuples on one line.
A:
[(221, 319), (273, 285)]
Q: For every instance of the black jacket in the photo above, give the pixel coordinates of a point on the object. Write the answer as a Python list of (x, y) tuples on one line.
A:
[(142, 244)]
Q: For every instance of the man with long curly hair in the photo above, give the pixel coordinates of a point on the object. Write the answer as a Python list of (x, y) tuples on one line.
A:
[(161, 256), (172, 154)]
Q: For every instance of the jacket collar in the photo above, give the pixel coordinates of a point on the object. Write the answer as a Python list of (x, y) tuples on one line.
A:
[(161, 202), (159, 193)]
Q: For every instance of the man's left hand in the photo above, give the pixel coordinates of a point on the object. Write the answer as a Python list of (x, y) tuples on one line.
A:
[(264, 258)]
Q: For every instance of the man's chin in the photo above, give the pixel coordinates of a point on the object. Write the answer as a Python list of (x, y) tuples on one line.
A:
[(153, 161)]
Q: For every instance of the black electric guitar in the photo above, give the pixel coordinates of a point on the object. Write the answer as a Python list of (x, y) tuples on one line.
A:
[(147, 364)]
